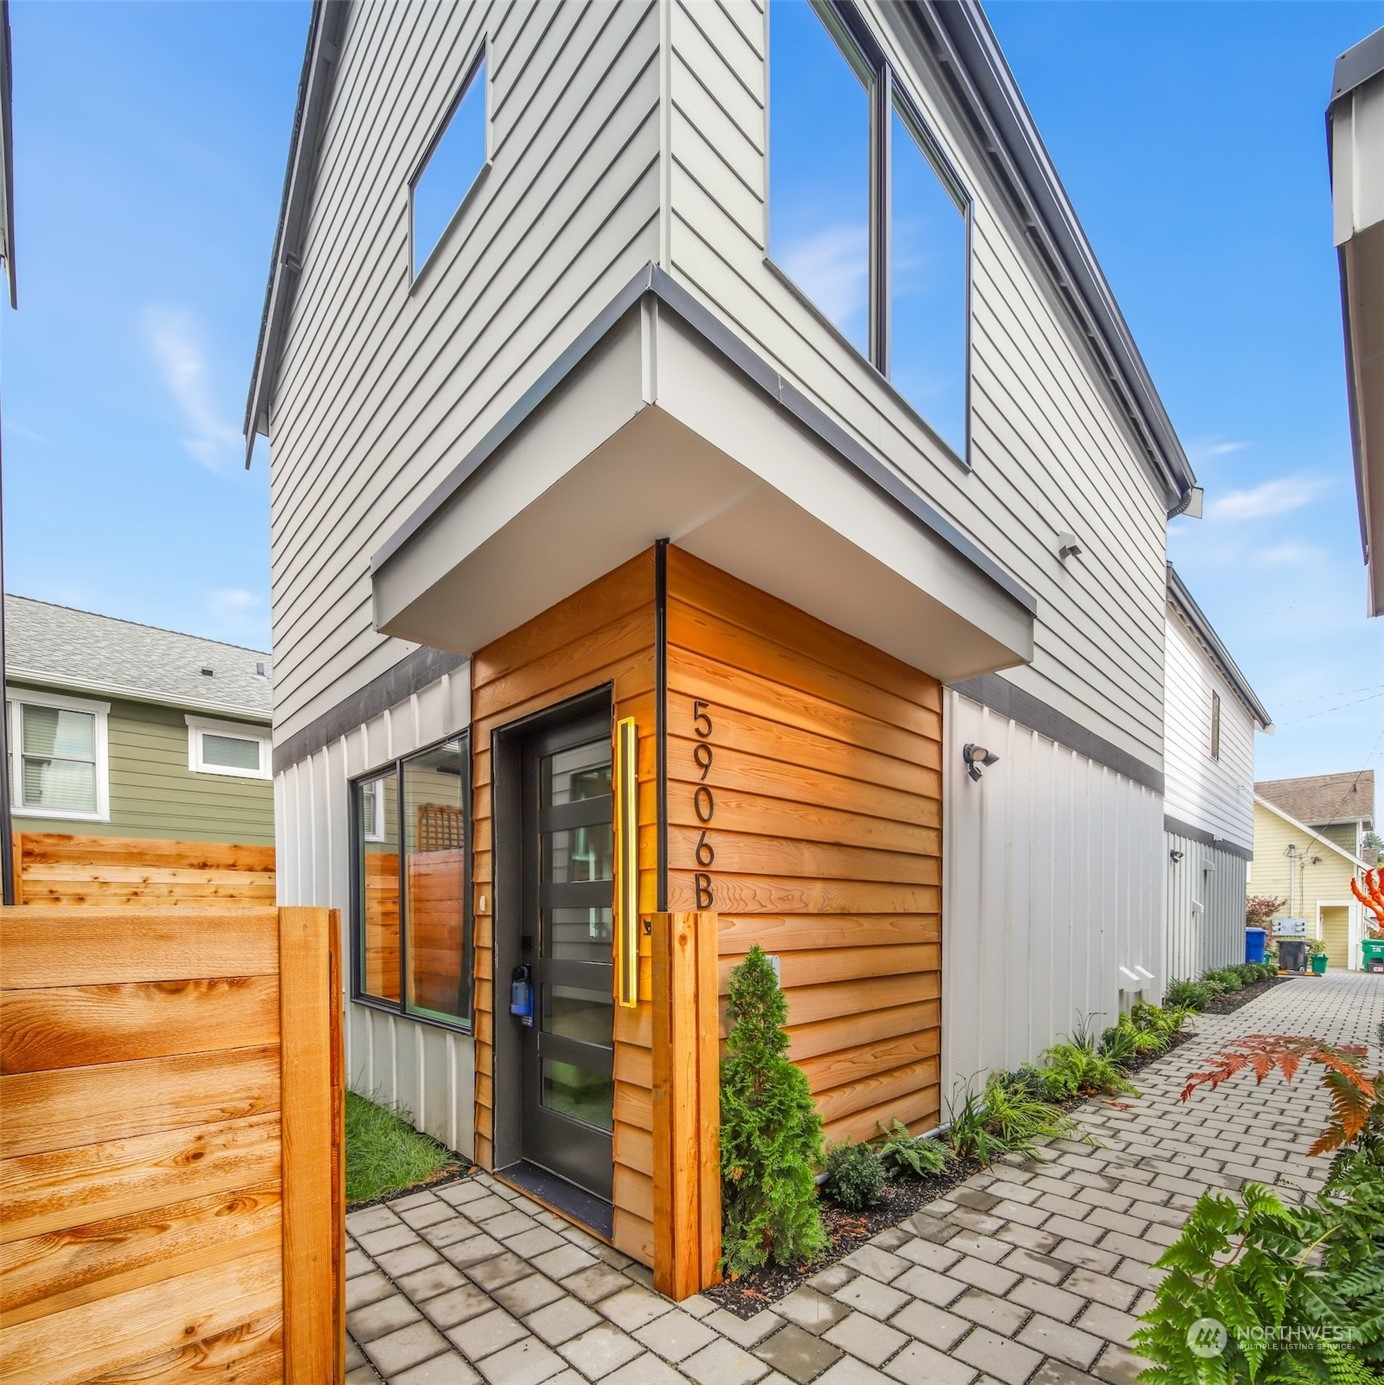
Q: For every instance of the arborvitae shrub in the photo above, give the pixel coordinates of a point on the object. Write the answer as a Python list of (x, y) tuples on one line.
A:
[(771, 1133), (855, 1176)]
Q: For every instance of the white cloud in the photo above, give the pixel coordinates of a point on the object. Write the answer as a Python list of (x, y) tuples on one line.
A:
[(238, 615), (1289, 555), (832, 267), (1206, 449), (173, 337), (19, 430), (1272, 498)]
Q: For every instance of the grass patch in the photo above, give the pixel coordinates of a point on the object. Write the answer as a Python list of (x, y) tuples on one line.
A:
[(385, 1154)]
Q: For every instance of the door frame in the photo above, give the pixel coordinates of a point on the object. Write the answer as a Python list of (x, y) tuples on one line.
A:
[(507, 815)]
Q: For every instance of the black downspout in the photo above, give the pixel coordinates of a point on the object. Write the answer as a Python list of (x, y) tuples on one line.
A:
[(661, 715)]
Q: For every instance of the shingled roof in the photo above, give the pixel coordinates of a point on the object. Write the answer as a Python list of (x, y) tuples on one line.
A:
[(1319, 800), (57, 647)]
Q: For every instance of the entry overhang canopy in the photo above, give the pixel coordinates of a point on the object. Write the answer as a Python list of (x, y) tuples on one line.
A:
[(652, 434)]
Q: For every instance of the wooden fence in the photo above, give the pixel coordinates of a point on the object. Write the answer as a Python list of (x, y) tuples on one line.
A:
[(171, 1181), (54, 868)]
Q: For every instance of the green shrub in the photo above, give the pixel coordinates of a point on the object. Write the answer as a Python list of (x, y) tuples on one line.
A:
[(910, 1156), (1166, 1020), (1085, 1071), (1045, 1084), (1250, 972), (1190, 995), (855, 1176), (771, 1133), (1124, 1043), (1225, 977), (1002, 1119)]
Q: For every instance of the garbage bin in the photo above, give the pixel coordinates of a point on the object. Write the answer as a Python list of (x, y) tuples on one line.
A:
[(1373, 950), (1319, 964), (1292, 954), (1255, 939)]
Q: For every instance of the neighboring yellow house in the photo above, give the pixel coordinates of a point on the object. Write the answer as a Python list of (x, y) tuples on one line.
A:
[(1295, 862)]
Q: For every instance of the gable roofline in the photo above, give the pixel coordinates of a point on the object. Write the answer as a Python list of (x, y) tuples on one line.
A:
[(315, 85), (960, 35), (1185, 605), (20, 679), (1311, 832), (965, 45), (7, 153)]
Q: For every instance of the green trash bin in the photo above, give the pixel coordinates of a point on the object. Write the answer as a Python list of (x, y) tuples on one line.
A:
[(1319, 964), (1373, 954)]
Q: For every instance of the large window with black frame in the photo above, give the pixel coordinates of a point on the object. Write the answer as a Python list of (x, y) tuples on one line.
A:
[(412, 940), (868, 220)]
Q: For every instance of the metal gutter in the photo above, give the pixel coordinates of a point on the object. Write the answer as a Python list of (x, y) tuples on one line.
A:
[(1187, 607), (314, 100), (88, 686), (651, 281), (961, 39)]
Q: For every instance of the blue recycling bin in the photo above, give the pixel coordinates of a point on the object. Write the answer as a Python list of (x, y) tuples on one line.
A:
[(1255, 941)]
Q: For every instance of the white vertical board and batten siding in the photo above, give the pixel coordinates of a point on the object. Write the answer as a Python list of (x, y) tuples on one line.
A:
[(1214, 795), (424, 1068), (1052, 882), (1049, 452), (383, 385), (1206, 908)]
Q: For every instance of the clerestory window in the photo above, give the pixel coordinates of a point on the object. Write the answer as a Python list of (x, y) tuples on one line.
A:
[(867, 219)]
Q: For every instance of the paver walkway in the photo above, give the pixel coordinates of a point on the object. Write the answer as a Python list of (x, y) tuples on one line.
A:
[(1029, 1274)]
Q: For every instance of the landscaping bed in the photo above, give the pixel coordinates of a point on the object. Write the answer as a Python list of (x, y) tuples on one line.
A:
[(1228, 1004)]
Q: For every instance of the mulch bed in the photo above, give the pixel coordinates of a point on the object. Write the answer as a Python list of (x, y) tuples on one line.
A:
[(1228, 1004)]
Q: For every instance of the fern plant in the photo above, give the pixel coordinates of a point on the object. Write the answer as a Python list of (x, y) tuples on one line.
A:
[(771, 1132), (1085, 1071), (910, 1156)]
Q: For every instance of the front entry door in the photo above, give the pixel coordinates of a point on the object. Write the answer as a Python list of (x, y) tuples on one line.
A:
[(566, 941)]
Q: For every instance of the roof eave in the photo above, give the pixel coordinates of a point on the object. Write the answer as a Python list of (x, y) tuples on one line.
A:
[(1311, 831), (309, 119), (35, 678), (7, 152), (1186, 605), (982, 81)]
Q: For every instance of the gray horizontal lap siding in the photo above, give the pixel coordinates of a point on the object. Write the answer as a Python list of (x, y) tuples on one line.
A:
[(1049, 451), (381, 390)]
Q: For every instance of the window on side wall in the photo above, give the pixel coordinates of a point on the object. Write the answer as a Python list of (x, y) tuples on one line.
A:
[(59, 762), (228, 747), (867, 219), (412, 943), (1215, 726), (451, 167)]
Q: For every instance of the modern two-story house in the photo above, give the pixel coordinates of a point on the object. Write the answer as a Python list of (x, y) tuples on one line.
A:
[(702, 442), (1211, 715)]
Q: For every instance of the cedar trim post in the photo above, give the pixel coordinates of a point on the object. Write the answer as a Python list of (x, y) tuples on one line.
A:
[(311, 1069), (686, 1104)]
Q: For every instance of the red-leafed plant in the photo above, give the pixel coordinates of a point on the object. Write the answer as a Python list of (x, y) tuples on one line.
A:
[(1371, 895), (1260, 908), (1353, 1094)]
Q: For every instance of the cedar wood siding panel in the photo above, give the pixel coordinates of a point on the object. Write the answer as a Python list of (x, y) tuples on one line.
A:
[(153, 794), (824, 819), (381, 389), (1048, 451), (1215, 795), (603, 633)]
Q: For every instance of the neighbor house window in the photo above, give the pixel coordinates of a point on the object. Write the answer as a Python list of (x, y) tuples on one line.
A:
[(451, 166), (412, 950), (866, 217), (228, 747), (59, 765), (1215, 726)]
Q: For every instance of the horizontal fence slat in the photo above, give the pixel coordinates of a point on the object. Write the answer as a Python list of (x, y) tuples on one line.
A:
[(48, 847), (60, 1110), (249, 1354), (74, 1026), (50, 1273), (46, 1192), (51, 946), (80, 1343)]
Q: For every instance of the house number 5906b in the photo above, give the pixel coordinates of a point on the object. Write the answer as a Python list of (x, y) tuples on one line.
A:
[(703, 801)]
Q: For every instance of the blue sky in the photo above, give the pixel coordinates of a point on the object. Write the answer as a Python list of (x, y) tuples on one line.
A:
[(150, 146)]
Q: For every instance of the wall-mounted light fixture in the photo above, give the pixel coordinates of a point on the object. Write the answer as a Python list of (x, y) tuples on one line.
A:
[(977, 758), (1068, 546), (1175, 856)]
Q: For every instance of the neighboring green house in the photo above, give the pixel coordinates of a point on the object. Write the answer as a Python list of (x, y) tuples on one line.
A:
[(124, 730)]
